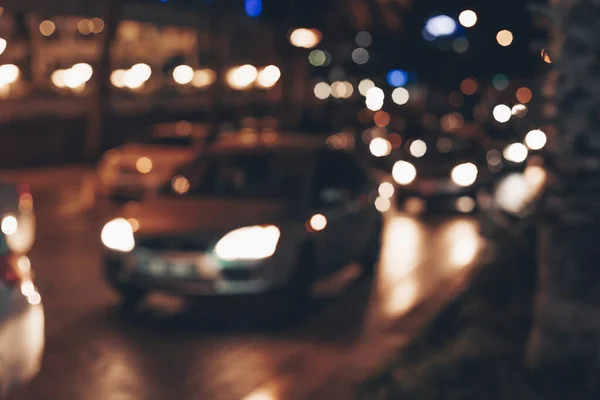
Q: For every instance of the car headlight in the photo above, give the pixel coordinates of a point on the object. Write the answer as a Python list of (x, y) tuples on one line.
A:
[(404, 172), (464, 174), (118, 235), (516, 152), (248, 243)]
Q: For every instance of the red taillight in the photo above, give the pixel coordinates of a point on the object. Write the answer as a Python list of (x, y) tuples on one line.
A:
[(9, 272)]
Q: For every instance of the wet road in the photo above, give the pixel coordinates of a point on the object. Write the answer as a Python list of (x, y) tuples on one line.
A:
[(216, 351)]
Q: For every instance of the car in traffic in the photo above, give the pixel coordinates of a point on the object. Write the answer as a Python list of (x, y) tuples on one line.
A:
[(21, 311), (269, 218), (142, 166), (439, 171)]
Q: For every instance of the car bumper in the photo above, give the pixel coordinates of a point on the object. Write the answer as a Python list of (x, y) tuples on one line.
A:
[(21, 342), (123, 271)]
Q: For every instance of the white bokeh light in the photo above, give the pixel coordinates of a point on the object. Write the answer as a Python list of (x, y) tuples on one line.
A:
[(502, 113), (535, 139)]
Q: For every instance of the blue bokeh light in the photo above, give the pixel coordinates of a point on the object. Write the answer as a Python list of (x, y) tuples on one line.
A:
[(397, 78), (253, 8)]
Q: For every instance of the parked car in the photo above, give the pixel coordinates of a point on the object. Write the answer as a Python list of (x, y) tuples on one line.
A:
[(441, 171), (144, 165), (21, 311), (265, 218)]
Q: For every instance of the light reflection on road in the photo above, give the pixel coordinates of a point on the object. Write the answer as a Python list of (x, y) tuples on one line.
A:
[(94, 355)]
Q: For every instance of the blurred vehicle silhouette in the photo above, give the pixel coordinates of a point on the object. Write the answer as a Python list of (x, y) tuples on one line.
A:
[(143, 166), (21, 312), (442, 171), (268, 216)]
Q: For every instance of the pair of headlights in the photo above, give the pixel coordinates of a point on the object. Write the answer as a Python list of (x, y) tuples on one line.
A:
[(404, 173), (247, 243)]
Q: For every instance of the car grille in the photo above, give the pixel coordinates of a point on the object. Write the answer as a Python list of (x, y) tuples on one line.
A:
[(184, 244)]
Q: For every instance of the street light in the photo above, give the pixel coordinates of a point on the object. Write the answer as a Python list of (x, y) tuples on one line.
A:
[(268, 76), (305, 38), (241, 78)]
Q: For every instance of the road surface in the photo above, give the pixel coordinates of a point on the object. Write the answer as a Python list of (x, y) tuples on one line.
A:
[(219, 351)]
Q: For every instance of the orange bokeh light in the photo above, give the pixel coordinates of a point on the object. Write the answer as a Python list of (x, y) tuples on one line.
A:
[(381, 119), (317, 222), (395, 140), (468, 86), (524, 95)]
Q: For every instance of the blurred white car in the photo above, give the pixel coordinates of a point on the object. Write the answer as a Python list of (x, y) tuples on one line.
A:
[(246, 220), (136, 169), (21, 311)]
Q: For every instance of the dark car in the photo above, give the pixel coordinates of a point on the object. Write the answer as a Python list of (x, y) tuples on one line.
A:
[(247, 219), (440, 170)]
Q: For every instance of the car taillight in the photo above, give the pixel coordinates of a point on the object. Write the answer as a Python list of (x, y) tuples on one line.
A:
[(25, 199), (9, 271)]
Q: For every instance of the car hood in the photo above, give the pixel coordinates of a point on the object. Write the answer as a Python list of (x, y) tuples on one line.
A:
[(167, 216)]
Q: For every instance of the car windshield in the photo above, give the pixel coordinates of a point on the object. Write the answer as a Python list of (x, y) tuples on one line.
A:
[(249, 175)]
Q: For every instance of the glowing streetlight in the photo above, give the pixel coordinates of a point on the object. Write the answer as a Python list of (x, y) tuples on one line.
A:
[(504, 38), (305, 38), (242, 77), (204, 77), (268, 76), (183, 74), (467, 18), (9, 73)]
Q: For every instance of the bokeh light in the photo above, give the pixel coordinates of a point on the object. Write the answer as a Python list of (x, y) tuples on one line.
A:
[(98, 25), (342, 90), (400, 96), (9, 73), (382, 204), (364, 39), (322, 90), (375, 99), (502, 113), (3, 44), (468, 86), (381, 119), (386, 190), (268, 76), (397, 78), (546, 57), (183, 74), (524, 95), (318, 58), (535, 139), (204, 77), (516, 152), (360, 56), (47, 28), (85, 26), (364, 86), (504, 38), (418, 148), (242, 77), (519, 110), (305, 38), (441, 25), (380, 147), (467, 18)]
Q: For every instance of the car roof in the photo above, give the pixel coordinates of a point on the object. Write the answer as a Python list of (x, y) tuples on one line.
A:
[(250, 142)]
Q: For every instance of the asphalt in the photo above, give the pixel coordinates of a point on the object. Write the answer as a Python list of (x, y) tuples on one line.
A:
[(170, 349)]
